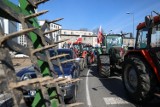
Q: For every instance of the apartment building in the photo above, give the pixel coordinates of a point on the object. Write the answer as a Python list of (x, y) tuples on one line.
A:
[(8, 27), (22, 39), (72, 35), (129, 40), (55, 35)]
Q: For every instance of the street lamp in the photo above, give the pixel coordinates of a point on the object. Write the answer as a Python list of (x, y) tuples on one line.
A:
[(133, 20)]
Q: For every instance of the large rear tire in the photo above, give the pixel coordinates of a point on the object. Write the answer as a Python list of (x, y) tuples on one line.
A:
[(138, 80), (103, 65)]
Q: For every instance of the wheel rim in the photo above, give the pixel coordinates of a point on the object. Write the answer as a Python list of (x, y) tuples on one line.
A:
[(130, 79)]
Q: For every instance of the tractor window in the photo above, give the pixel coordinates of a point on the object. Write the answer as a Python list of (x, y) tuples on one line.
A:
[(114, 41), (155, 37), (142, 38)]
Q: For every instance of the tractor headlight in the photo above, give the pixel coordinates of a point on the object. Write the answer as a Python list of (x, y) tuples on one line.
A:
[(68, 84), (67, 76)]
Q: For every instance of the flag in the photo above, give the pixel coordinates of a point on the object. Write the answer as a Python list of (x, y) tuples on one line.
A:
[(79, 39), (99, 36)]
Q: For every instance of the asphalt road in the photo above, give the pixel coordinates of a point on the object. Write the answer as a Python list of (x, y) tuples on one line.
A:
[(95, 91)]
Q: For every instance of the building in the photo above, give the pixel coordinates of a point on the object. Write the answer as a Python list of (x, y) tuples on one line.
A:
[(22, 39), (55, 35), (128, 40), (8, 27), (72, 35)]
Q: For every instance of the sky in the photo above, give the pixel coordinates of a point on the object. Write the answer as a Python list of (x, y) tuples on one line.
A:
[(109, 14)]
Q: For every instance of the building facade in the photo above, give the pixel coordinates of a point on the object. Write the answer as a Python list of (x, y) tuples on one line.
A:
[(55, 35), (128, 41), (22, 39), (8, 27), (72, 35)]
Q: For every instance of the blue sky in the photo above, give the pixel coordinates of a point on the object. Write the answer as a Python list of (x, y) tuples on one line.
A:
[(90, 14)]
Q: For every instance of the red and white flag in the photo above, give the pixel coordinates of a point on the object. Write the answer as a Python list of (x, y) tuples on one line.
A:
[(79, 39), (100, 35)]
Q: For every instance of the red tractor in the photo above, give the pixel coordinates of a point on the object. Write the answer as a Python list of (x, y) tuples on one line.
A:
[(90, 53), (141, 66), (78, 49)]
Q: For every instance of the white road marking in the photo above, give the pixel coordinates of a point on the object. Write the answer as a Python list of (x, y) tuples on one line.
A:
[(87, 91), (114, 100)]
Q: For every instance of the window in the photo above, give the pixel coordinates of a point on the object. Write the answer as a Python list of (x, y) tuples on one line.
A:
[(155, 37), (71, 33), (142, 38)]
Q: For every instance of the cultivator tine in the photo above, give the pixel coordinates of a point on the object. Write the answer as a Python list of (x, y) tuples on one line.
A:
[(36, 14), (8, 12), (15, 34), (70, 60), (56, 20), (10, 75), (37, 2), (44, 26), (42, 48), (48, 32), (41, 57), (52, 82), (14, 46), (32, 3), (58, 56), (75, 104), (67, 81), (29, 82)]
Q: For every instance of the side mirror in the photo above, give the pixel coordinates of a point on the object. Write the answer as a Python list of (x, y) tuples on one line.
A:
[(148, 21)]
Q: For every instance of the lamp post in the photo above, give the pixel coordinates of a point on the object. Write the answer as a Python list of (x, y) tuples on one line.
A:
[(132, 19)]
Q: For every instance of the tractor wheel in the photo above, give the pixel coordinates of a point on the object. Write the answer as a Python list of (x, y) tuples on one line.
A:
[(88, 60), (103, 69), (82, 64), (73, 98), (138, 80), (85, 61)]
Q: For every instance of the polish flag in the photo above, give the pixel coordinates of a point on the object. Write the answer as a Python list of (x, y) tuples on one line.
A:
[(99, 36), (79, 39)]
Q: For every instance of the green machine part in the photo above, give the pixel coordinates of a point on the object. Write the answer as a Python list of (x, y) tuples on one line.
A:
[(26, 8), (37, 43)]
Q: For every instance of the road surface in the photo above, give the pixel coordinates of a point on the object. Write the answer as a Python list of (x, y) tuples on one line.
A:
[(105, 92)]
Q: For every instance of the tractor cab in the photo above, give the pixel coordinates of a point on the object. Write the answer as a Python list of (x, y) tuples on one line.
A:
[(148, 37), (113, 40)]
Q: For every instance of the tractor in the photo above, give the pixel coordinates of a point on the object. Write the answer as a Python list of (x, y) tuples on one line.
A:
[(78, 49), (110, 61), (141, 65), (90, 53)]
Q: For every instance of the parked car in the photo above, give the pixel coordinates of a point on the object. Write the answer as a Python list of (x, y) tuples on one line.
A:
[(71, 70)]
